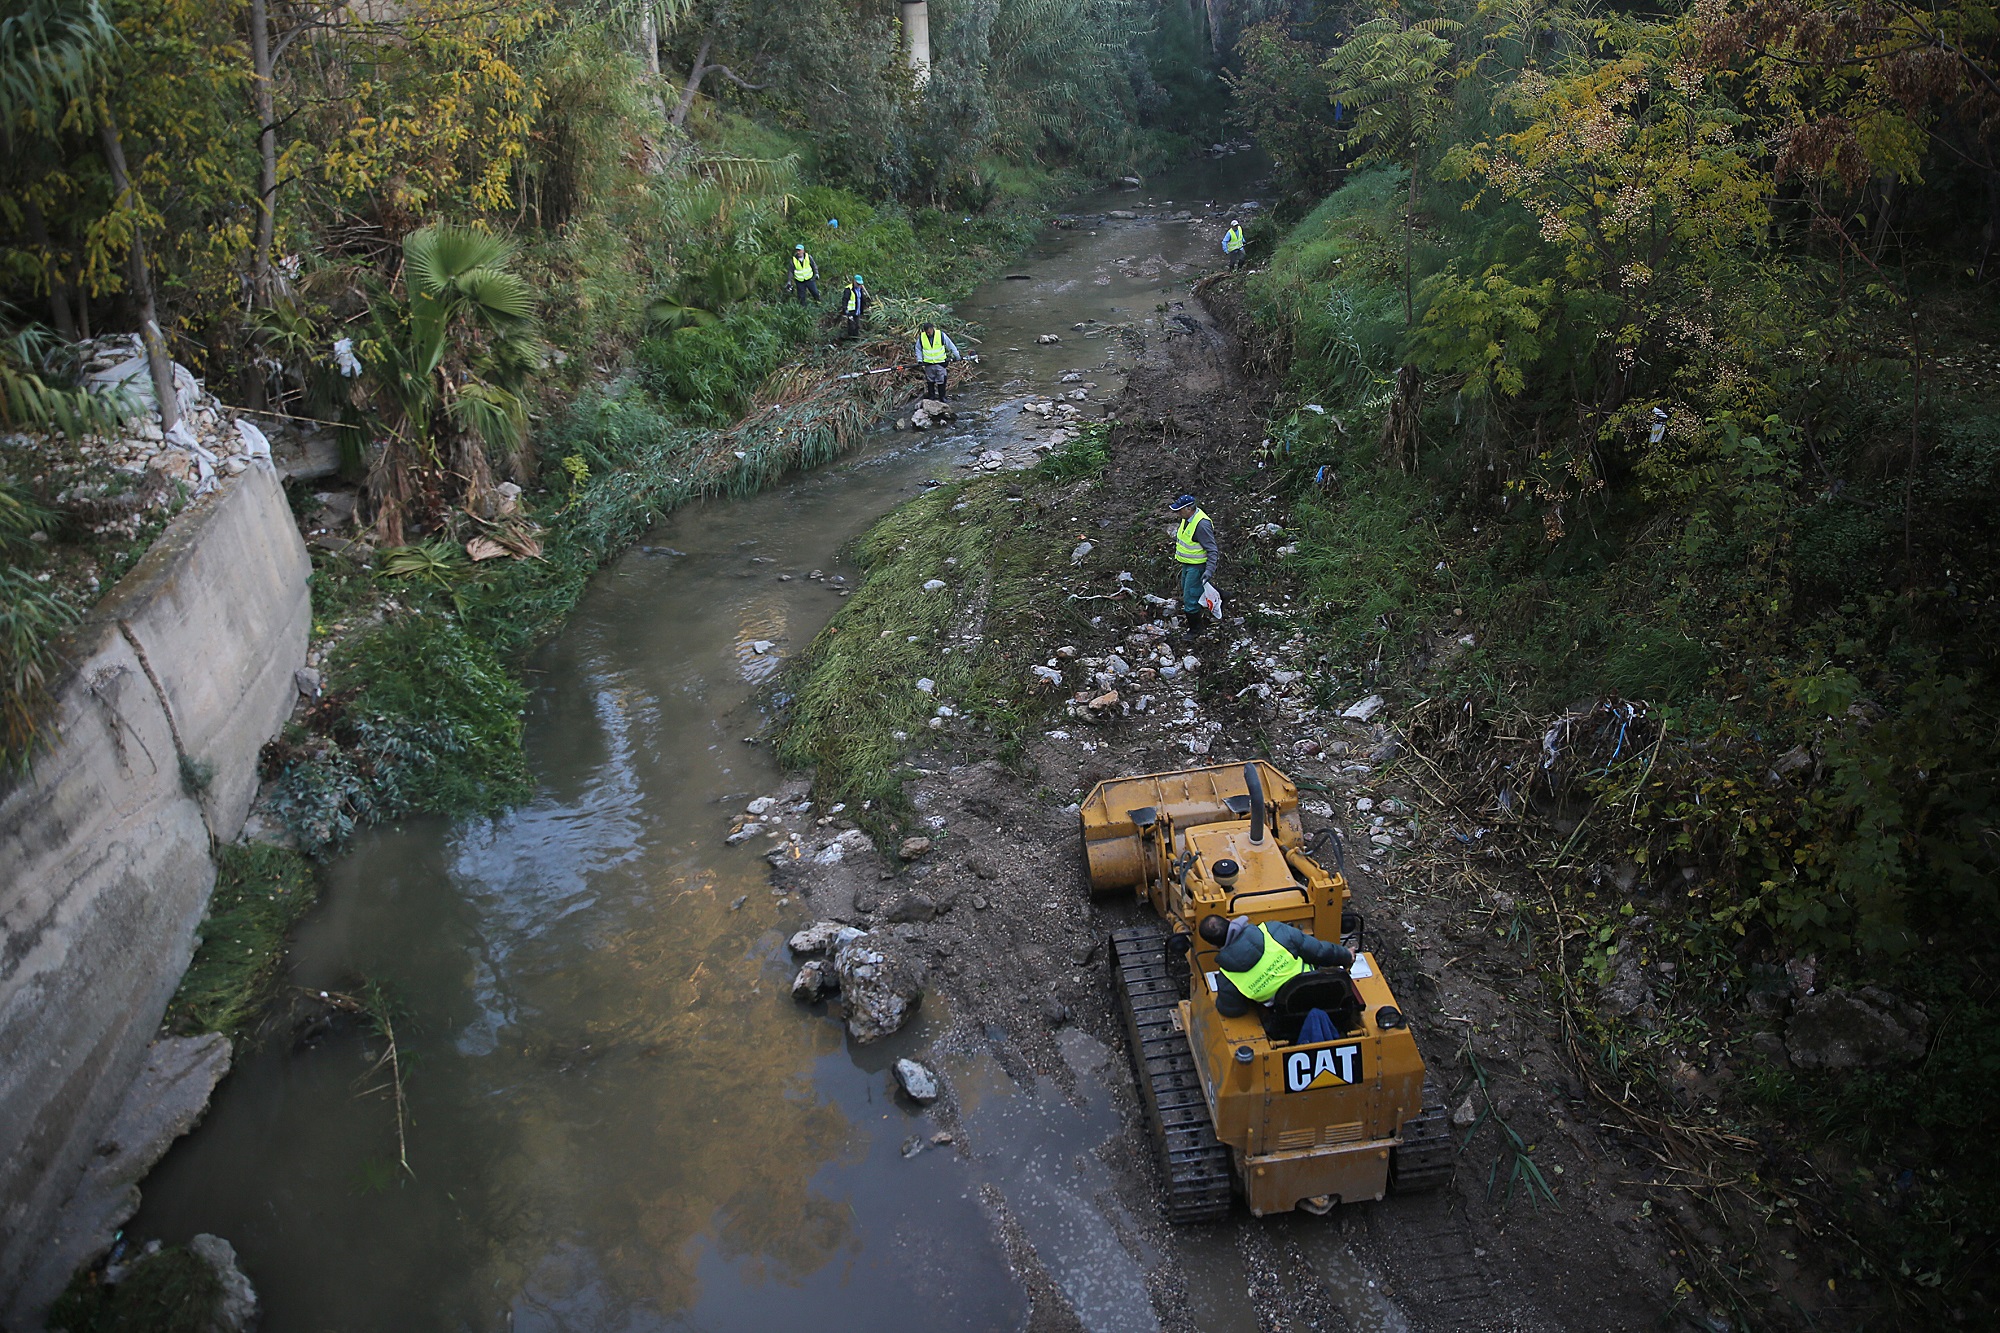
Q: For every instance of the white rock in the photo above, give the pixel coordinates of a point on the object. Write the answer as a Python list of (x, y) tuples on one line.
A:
[(1082, 549), (762, 805), (1365, 709), (918, 1081), (934, 585), (823, 936), (743, 834), (235, 1309), (1288, 549), (927, 686)]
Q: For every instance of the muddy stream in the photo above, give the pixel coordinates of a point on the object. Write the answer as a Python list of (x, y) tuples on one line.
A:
[(617, 1117)]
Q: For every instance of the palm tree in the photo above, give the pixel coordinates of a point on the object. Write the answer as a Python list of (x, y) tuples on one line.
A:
[(448, 366)]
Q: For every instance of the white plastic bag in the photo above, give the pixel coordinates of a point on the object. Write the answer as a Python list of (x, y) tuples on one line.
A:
[(1211, 600)]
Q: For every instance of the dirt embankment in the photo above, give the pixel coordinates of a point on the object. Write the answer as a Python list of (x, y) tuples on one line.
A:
[(1540, 1228)]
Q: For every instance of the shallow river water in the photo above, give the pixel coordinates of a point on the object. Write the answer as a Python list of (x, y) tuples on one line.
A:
[(618, 1119)]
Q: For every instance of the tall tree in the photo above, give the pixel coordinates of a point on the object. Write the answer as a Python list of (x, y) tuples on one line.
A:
[(1396, 78)]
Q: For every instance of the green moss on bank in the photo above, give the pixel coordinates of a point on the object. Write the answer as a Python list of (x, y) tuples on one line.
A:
[(170, 1291), (260, 894)]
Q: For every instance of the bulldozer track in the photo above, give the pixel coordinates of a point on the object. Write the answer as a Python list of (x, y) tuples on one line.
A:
[(1438, 1279), (1423, 1161), (1195, 1163)]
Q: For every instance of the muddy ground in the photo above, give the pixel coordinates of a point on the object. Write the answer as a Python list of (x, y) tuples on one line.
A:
[(1016, 949)]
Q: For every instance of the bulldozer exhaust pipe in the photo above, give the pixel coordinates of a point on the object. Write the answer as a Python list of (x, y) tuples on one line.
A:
[(1255, 781)]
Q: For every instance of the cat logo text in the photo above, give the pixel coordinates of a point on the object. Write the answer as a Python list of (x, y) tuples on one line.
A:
[(1327, 1067)]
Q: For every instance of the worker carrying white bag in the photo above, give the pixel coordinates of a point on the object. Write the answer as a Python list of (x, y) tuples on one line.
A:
[(1197, 553)]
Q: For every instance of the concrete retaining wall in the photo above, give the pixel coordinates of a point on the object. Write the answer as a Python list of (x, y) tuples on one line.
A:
[(179, 678)]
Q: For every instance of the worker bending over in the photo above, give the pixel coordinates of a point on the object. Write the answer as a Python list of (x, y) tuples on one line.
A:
[(1256, 960), (934, 349), (1232, 244), (805, 275), (1197, 554), (858, 302)]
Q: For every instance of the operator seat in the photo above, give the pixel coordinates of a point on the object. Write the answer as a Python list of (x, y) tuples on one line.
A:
[(1329, 988)]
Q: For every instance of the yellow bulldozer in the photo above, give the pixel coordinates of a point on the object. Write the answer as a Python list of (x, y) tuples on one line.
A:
[(1241, 1104)]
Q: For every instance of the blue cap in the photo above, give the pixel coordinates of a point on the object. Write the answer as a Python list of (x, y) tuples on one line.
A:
[(1185, 502), (833, 222), (857, 277)]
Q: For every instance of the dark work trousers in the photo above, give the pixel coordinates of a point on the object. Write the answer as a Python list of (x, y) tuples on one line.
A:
[(1194, 580), (808, 288), (934, 381)]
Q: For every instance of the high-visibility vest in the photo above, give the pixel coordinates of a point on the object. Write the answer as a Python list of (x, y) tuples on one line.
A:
[(930, 349), (1232, 240), (1273, 968), (1186, 549), (853, 300), (802, 267)]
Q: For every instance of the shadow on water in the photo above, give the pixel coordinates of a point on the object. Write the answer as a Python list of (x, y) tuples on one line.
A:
[(618, 1118)]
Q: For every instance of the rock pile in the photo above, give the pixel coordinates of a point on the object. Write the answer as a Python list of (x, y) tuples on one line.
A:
[(208, 444), (879, 980)]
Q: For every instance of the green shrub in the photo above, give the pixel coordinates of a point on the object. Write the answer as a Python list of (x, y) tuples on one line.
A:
[(432, 721), (710, 372)]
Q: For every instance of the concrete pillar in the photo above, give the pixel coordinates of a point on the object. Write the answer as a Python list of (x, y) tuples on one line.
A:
[(917, 40)]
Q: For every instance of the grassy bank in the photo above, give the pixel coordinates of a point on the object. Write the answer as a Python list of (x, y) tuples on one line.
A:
[(1000, 545)]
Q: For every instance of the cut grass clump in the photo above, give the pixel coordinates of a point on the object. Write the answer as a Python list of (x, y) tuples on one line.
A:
[(1086, 455), (260, 893), (172, 1290)]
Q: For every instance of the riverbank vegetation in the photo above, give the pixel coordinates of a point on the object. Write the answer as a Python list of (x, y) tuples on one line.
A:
[(468, 238), (1645, 429), (260, 892)]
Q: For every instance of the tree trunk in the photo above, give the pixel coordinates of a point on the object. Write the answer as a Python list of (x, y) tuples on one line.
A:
[(61, 309), (265, 105), (917, 40), (693, 84), (140, 279), (1399, 428), (649, 40), (1410, 249)]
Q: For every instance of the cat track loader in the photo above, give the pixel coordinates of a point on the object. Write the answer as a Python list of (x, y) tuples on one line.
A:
[(1241, 1105)]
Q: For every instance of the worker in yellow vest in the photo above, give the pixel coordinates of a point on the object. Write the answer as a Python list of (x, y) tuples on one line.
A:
[(1254, 961), (856, 305), (1232, 244), (805, 276), (1197, 554), (934, 350)]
